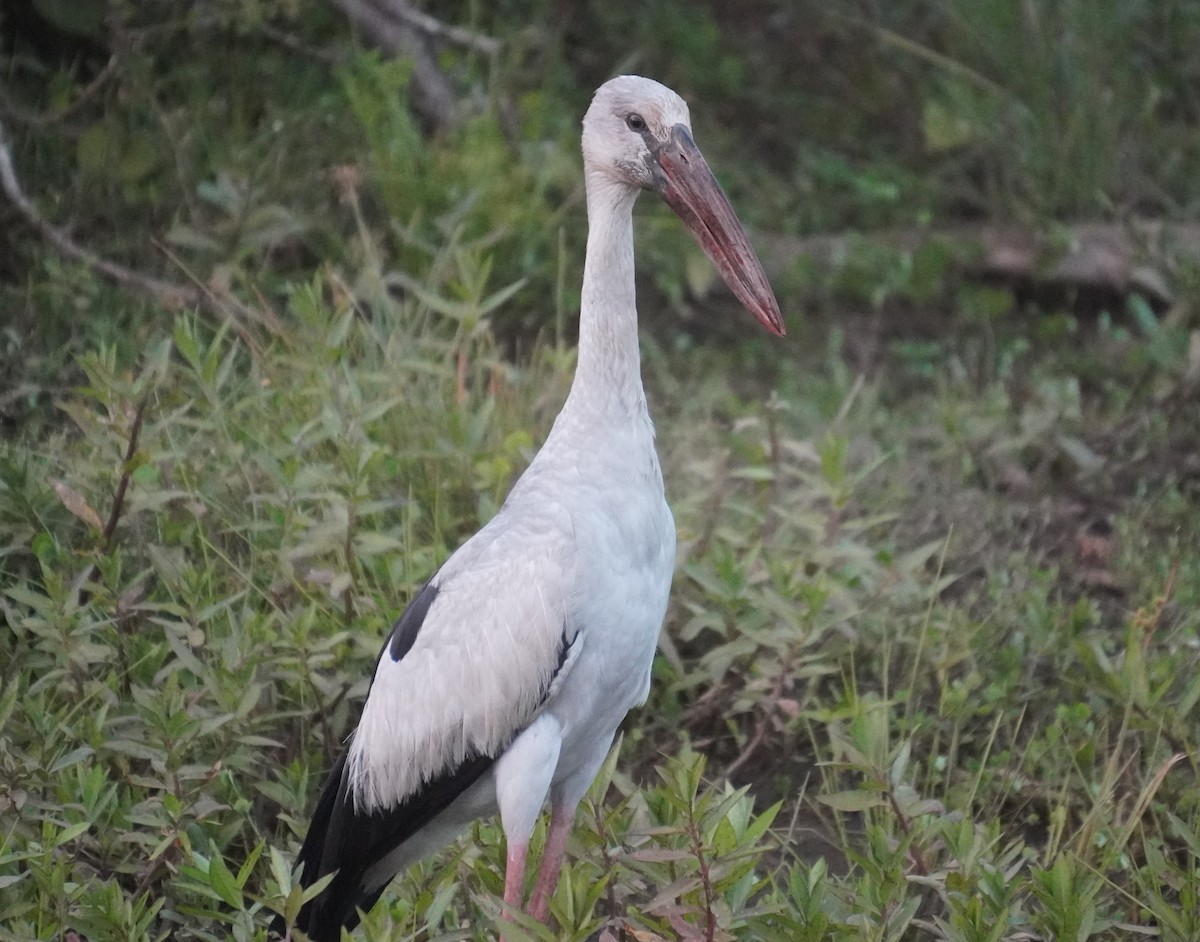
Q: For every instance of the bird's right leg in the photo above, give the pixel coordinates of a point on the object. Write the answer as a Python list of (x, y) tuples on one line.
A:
[(514, 876)]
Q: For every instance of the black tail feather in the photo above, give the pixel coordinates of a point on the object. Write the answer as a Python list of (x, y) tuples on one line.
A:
[(344, 839)]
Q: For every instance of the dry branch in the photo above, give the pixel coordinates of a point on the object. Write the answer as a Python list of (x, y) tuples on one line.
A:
[(118, 503), (398, 29), (456, 35), (170, 294), (40, 120)]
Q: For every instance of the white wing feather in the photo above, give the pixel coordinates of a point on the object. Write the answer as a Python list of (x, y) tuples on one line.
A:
[(481, 664)]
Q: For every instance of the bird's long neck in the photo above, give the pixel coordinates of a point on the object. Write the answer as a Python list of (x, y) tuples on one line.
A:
[(608, 376)]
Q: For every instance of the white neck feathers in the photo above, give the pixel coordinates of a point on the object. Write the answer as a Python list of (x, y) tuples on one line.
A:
[(608, 375)]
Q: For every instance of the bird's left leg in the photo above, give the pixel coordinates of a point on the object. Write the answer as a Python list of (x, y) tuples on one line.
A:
[(523, 776), (564, 799), (561, 819)]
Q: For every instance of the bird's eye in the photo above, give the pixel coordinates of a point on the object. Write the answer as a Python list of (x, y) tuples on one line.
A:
[(635, 122)]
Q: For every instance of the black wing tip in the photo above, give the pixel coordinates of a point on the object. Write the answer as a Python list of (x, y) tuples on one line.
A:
[(337, 907), (323, 923), (322, 917), (343, 839)]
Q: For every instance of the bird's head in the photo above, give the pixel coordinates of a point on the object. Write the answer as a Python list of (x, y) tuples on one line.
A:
[(637, 134)]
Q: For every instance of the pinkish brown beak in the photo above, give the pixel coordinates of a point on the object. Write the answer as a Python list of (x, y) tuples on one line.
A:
[(688, 186)]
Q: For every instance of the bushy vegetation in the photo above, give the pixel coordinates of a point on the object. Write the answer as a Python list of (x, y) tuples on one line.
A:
[(930, 669)]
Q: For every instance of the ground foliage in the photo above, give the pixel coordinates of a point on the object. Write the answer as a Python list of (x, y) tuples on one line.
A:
[(930, 667)]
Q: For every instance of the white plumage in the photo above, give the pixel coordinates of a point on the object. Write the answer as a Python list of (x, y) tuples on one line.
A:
[(504, 681)]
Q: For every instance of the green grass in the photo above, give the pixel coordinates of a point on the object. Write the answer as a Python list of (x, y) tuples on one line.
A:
[(930, 665), (945, 734)]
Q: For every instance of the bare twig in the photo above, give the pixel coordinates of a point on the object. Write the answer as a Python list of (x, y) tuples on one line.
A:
[(433, 95), (222, 303), (456, 35), (299, 46), (914, 850), (171, 295), (118, 503), (761, 727), (135, 432), (762, 724), (40, 120), (710, 916)]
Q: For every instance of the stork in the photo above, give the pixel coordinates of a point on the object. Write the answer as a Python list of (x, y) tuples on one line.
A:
[(503, 682)]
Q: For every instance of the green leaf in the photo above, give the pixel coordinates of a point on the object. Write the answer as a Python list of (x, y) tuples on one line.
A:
[(74, 757), (1143, 314), (247, 867), (372, 544), (140, 156), (1084, 458), (293, 904), (899, 767), (758, 827), (316, 889), (68, 834), (945, 127), (222, 882), (97, 149), (146, 475)]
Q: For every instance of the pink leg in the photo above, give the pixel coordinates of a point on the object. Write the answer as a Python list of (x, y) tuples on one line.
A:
[(514, 878), (552, 858)]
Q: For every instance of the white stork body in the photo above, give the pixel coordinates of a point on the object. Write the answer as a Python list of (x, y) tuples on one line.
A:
[(504, 681)]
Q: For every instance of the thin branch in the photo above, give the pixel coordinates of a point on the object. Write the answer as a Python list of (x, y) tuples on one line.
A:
[(118, 503), (914, 849), (40, 120), (693, 831), (171, 295), (135, 432), (433, 95), (762, 725), (296, 44), (457, 35), (227, 306), (927, 54)]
